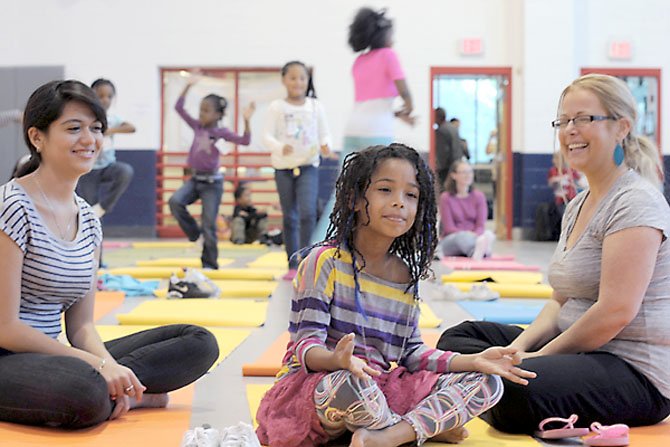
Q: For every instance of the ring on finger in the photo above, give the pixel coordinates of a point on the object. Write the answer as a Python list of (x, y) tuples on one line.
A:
[(129, 388)]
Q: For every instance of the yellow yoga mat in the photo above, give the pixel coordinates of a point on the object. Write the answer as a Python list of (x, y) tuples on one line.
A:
[(512, 290), (275, 259), (502, 277), (237, 289), (227, 339), (481, 434), (205, 312), (179, 262), (427, 318), (165, 272), (186, 244)]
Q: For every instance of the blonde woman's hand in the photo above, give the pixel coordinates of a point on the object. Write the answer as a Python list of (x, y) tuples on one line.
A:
[(344, 355), (502, 361)]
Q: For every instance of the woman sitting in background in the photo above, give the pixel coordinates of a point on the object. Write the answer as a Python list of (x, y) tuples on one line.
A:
[(463, 212)]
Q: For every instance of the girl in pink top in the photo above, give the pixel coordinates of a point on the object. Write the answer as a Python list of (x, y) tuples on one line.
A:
[(463, 212), (378, 79)]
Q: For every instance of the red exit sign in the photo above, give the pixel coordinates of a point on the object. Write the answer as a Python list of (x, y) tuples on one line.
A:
[(472, 46), (620, 50)]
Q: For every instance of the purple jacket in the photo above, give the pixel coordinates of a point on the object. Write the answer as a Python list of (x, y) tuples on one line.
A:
[(203, 155)]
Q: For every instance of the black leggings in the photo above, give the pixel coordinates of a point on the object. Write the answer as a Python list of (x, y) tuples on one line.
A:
[(40, 389), (596, 386)]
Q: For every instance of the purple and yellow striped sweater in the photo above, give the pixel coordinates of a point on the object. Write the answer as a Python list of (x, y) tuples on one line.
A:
[(323, 310)]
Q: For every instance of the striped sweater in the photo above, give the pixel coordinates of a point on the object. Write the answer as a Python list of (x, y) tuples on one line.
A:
[(55, 273), (323, 310)]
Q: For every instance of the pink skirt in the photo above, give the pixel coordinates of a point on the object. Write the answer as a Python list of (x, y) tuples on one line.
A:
[(287, 414)]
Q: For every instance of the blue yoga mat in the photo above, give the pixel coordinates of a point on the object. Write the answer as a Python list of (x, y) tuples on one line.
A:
[(507, 311)]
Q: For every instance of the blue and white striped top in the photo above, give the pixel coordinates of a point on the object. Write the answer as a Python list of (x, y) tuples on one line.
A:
[(55, 273)]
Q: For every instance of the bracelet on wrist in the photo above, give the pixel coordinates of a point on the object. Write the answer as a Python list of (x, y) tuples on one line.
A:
[(103, 362)]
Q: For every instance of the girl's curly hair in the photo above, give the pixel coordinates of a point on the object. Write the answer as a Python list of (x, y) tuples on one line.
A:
[(417, 246), (369, 30)]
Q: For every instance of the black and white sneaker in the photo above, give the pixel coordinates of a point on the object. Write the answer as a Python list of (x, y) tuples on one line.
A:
[(185, 289)]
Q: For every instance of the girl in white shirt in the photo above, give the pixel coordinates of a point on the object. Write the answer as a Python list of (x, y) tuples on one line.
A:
[(296, 133)]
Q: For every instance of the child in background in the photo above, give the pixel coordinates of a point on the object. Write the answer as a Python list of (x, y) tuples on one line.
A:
[(248, 223), (354, 313), (206, 182), (109, 178), (295, 132)]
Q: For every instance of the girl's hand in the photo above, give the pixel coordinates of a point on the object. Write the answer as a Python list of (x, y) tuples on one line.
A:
[(344, 355), (406, 117), (122, 382), (501, 361), (325, 151), (251, 108), (287, 149)]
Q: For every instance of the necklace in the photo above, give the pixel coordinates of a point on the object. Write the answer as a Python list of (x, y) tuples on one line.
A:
[(63, 234)]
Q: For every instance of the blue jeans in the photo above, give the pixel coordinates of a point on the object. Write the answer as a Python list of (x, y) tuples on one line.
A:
[(210, 195), (106, 185), (297, 196), (41, 389), (351, 144)]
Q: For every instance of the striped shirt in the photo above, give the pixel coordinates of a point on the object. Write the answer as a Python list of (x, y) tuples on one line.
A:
[(55, 273), (323, 310)]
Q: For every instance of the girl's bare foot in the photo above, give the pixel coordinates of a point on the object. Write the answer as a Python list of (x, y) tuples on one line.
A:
[(454, 436), (393, 436), (151, 401)]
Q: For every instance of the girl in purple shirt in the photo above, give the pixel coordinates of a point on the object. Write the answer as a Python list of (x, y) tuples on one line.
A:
[(206, 182), (463, 211)]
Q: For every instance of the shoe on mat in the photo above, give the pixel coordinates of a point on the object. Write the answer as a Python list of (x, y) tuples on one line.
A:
[(481, 292), (201, 437), (183, 288), (240, 435), (452, 293)]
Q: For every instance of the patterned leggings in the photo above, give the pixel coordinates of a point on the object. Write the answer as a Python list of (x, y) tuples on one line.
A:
[(345, 402)]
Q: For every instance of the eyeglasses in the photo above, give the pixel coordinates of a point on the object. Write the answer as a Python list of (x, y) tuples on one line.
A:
[(579, 121)]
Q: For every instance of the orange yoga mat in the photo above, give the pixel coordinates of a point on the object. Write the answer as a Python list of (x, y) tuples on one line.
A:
[(105, 302), (653, 436), (147, 427), (269, 363)]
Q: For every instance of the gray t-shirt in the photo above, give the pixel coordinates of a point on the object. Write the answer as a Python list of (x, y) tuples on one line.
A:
[(575, 273)]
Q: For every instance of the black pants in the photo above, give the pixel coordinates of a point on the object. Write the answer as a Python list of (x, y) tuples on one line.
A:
[(595, 386), (39, 389)]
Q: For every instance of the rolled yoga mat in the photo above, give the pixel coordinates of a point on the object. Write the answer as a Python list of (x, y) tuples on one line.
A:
[(237, 289), (511, 290), (203, 312), (179, 262), (275, 259), (186, 244), (469, 264), (497, 276), (506, 311), (225, 273)]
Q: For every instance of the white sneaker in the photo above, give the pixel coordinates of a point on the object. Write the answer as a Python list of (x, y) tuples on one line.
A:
[(452, 293), (240, 435), (201, 437), (482, 292), (203, 283)]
